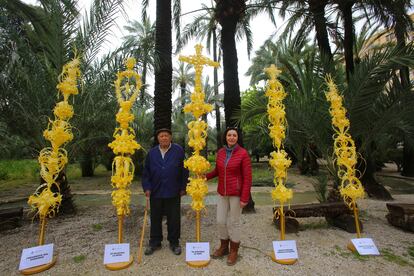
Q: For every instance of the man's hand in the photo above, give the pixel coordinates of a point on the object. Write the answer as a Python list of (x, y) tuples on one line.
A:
[(183, 192), (243, 204), (147, 193)]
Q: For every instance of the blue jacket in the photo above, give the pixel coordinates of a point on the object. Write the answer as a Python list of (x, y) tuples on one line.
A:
[(165, 178)]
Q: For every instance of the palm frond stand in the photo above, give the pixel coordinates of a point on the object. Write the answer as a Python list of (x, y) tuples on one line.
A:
[(279, 160), (127, 87), (345, 155), (197, 134), (54, 159)]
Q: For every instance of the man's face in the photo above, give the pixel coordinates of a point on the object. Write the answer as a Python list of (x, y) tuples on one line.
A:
[(164, 139)]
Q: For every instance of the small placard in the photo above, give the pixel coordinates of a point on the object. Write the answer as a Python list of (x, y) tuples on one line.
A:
[(365, 246), (35, 256), (285, 249), (197, 251), (116, 253)]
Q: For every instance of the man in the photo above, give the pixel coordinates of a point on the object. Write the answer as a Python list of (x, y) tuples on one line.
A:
[(164, 181)]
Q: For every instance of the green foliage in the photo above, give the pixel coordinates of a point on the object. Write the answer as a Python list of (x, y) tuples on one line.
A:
[(18, 169), (28, 170), (262, 175), (379, 108), (410, 251), (3, 175), (79, 259), (211, 158), (389, 255), (347, 253), (97, 227), (321, 187), (41, 39), (314, 225)]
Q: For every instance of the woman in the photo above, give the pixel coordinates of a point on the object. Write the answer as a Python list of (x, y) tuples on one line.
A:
[(234, 172)]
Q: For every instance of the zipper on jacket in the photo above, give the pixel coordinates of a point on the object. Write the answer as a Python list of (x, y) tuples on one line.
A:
[(225, 170)]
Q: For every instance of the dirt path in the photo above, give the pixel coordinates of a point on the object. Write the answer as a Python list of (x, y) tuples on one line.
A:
[(79, 241)]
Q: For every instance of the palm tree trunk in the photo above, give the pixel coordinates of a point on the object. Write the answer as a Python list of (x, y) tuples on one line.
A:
[(346, 9), (232, 100), (408, 152), (86, 163), (183, 89), (216, 106), (144, 81), (317, 8), (371, 185), (67, 206), (163, 72), (366, 165), (229, 12)]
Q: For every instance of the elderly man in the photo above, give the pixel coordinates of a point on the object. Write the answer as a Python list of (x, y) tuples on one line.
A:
[(164, 181)]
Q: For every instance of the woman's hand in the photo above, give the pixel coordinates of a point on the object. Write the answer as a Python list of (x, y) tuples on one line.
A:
[(243, 204)]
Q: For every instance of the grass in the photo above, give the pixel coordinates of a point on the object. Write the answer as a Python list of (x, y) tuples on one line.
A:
[(79, 258), (23, 175), (314, 225), (97, 227), (262, 175), (389, 255), (28, 169), (386, 253), (410, 251), (347, 253), (18, 169)]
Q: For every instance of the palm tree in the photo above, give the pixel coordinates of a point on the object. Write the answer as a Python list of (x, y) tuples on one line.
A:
[(379, 110), (345, 8), (206, 26), (214, 99), (393, 14), (144, 130), (306, 108), (95, 112), (308, 14), (50, 35), (141, 42), (182, 78), (228, 14), (163, 69)]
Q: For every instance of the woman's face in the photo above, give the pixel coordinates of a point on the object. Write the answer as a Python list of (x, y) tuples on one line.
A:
[(231, 138)]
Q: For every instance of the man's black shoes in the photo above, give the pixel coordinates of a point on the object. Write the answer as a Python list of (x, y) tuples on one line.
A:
[(176, 249), (150, 249)]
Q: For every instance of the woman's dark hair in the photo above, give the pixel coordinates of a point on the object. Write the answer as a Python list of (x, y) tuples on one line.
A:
[(225, 134)]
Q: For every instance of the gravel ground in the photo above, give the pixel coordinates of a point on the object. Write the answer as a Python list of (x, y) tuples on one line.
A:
[(79, 242)]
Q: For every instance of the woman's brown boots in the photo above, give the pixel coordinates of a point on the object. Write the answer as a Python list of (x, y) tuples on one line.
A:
[(224, 250), (234, 249)]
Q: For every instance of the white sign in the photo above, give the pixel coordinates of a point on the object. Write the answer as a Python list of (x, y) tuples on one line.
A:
[(365, 246), (35, 256), (285, 249), (197, 251), (116, 253)]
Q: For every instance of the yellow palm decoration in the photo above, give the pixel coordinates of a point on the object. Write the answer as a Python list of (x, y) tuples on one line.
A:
[(197, 134), (344, 149), (279, 159), (53, 159), (124, 144)]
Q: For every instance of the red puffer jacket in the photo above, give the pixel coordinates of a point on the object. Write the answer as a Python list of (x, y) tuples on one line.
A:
[(235, 179)]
